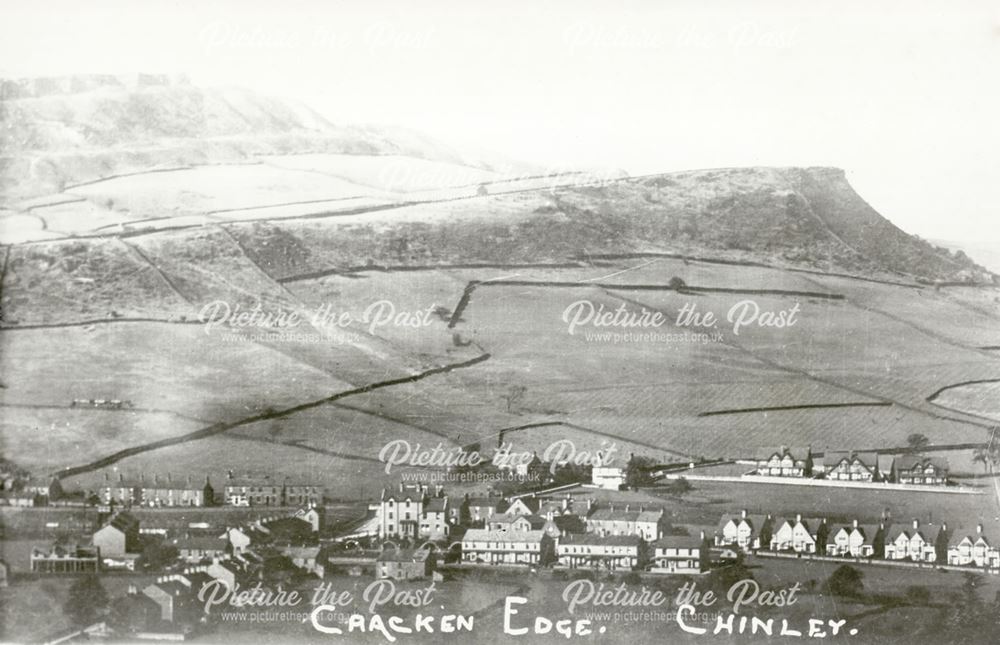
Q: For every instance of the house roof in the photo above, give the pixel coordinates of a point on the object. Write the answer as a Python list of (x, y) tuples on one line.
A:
[(869, 532), (228, 566), (535, 521), (406, 491), (124, 522), (679, 542), (301, 552), (755, 520), (531, 503), (153, 484), (929, 532), (198, 579), (811, 524), (575, 505), (868, 459), (799, 453), (621, 515), (570, 523), (201, 544), (404, 555), (170, 587), (488, 535), (436, 505), (907, 462), (974, 535), (599, 540), (257, 482), (65, 550), (485, 502)]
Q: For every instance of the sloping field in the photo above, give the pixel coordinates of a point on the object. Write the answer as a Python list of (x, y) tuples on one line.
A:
[(981, 399), (163, 367), (47, 440), (940, 313), (78, 281), (391, 173), (711, 499), (206, 189)]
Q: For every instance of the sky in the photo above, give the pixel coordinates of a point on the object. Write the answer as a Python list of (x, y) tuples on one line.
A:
[(904, 96)]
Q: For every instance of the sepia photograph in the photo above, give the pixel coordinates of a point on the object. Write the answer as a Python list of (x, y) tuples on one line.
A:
[(446, 323)]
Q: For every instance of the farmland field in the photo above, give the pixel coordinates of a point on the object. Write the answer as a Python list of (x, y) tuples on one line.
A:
[(711, 499), (974, 398)]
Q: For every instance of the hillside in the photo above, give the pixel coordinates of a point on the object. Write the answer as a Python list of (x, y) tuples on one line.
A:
[(133, 204), (95, 157), (60, 132)]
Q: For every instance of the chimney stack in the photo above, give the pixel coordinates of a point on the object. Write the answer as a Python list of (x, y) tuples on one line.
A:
[(743, 513), (916, 524), (979, 529), (855, 522)]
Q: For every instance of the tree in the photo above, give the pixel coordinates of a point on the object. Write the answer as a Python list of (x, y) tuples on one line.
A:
[(514, 396), (570, 473), (677, 284), (156, 555), (87, 601), (464, 512), (638, 471), (845, 581), (917, 442), (678, 487), (980, 456), (918, 595), (721, 580)]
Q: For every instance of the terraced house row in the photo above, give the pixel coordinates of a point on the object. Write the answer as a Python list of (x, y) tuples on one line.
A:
[(915, 541), (575, 535)]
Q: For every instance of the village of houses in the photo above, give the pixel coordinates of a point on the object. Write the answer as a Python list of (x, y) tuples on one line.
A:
[(417, 532)]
